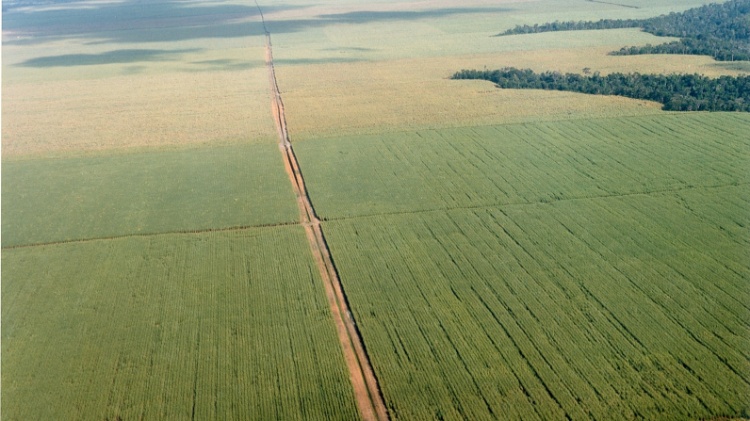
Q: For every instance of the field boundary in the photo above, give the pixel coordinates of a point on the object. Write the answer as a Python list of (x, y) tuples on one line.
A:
[(148, 234), (367, 215), (538, 202), (366, 389)]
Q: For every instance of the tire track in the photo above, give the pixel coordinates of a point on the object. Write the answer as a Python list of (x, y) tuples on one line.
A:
[(366, 390)]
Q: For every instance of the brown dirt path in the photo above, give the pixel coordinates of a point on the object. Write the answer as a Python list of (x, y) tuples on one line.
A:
[(366, 390)]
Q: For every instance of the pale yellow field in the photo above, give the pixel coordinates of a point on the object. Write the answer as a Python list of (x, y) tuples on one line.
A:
[(135, 111), (193, 73), (393, 95), (168, 75), (390, 29), (127, 111)]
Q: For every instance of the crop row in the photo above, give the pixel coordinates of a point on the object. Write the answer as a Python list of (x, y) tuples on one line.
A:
[(582, 309), (229, 325)]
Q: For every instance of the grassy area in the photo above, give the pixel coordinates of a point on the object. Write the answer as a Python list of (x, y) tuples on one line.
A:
[(351, 69), (199, 326), (95, 196), (524, 163), (100, 75), (606, 308)]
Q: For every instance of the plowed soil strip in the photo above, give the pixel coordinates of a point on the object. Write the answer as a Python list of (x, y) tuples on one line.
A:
[(366, 390)]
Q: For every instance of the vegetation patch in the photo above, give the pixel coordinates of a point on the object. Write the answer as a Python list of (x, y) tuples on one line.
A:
[(721, 31), (676, 92), (589, 269), (548, 256)]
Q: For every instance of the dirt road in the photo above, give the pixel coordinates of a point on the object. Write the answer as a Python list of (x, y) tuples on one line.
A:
[(366, 390)]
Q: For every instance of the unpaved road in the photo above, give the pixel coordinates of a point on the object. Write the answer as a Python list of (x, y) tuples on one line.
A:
[(366, 390)]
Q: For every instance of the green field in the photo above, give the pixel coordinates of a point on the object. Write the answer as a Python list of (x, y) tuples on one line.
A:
[(106, 195), (587, 309), (593, 269), (223, 326), (524, 163)]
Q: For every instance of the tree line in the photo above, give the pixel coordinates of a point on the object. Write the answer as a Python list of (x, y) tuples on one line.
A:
[(718, 30), (677, 92)]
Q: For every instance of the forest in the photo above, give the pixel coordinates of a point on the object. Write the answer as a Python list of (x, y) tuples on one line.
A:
[(677, 92), (721, 31)]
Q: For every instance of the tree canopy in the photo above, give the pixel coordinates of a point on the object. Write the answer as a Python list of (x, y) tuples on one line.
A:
[(676, 92), (718, 30)]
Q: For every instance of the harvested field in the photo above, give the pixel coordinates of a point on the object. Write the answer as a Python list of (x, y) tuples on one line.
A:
[(193, 75), (399, 29), (105, 75)]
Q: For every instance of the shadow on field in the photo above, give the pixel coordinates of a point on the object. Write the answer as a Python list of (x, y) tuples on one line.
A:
[(226, 64), (325, 60), (362, 17), (110, 57), (739, 66), (369, 16), (350, 49), (133, 21)]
